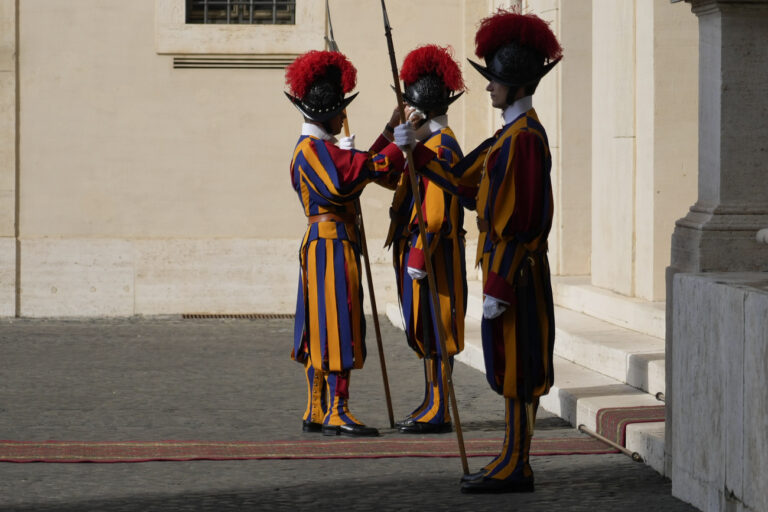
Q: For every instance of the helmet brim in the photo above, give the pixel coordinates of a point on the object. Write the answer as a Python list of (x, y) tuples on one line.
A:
[(320, 116), (424, 107), (509, 81)]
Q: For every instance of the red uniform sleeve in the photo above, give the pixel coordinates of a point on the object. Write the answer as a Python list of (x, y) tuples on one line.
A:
[(380, 143), (349, 164), (528, 165), (354, 166)]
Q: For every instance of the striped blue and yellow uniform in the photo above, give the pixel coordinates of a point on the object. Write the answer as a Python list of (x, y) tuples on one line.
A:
[(507, 177), (444, 220), (330, 326)]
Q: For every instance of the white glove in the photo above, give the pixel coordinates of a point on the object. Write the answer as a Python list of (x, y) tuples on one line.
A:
[(493, 307), (347, 142), (404, 135), (416, 273)]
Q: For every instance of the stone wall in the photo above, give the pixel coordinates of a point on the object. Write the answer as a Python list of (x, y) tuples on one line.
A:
[(119, 152), (124, 277), (146, 189), (8, 126), (644, 139), (720, 411)]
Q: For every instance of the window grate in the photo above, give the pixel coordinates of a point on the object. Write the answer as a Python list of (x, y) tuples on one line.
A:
[(242, 12), (261, 62)]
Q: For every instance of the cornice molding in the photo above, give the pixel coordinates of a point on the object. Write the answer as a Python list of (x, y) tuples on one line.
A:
[(705, 7)]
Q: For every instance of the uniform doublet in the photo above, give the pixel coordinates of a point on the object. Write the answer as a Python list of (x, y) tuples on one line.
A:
[(507, 179), (444, 221), (330, 326)]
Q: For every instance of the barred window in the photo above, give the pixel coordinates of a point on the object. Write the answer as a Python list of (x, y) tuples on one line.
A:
[(249, 12)]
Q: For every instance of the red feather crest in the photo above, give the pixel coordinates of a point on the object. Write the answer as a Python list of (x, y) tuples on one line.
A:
[(314, 64), (526, 29), (432, 59)]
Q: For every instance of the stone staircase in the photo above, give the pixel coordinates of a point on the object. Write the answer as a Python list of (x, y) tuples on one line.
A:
[(609, 352)]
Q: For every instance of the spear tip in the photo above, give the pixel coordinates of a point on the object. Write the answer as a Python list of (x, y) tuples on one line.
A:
[(386, 18), (331, 42)]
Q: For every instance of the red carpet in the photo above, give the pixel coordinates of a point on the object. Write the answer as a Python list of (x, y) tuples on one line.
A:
[(322, 448), (612, 422)]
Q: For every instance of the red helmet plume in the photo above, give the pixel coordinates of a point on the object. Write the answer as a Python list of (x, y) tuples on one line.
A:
[(314, 64), (525, 29), (433, 59)]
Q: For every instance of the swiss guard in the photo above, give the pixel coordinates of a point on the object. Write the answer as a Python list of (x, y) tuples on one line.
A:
[(433, 81), (507, 177), (329, 332)]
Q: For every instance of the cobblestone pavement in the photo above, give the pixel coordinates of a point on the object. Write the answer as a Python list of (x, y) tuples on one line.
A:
[(232, 380)]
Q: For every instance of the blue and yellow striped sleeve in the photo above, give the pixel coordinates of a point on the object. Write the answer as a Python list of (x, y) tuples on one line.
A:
[(463, 178), (434, 209)]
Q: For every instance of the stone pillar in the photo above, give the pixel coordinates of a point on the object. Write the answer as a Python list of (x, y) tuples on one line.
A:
[(613, 144), (666, 139), (719, 232), (563, 102), (643, 140), (480, 118), (8, 148)]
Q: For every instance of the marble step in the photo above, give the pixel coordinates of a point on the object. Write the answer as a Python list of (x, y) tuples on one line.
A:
[(579, 393), (625, 355), (577, 293)]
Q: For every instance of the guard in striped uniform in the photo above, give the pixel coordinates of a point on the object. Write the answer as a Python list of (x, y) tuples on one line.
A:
[(433, 81), (329, 332), (507, 177)]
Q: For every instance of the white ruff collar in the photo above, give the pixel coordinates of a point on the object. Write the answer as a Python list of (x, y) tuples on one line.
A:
[(431, 126), (318, 132), (516, 109)]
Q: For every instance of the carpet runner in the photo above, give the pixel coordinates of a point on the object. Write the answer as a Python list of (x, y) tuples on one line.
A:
[(334, 448), (612, 422)]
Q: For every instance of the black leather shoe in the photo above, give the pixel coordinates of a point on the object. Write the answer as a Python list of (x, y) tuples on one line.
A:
[(487, 485), (473, 476), (311, 426), (350, 430), (419, 427), (403, 422)]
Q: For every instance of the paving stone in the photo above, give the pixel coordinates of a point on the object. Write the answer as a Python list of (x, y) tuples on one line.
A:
[(232, 380)]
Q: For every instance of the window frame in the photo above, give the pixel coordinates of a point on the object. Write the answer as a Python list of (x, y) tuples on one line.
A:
[(246, 12), (174, 36)]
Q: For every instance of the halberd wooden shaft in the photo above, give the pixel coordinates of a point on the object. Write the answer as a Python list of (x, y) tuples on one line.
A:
[(428, 257), (633, 455)]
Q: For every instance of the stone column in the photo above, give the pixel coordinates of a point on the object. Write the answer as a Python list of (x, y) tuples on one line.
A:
[(643, 140), (563, 102), (8, 124), (613, 144), (666, 140), (719, 232)]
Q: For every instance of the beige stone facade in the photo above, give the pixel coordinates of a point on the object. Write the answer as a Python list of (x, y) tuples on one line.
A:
[(621, 114), (130, 186)]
